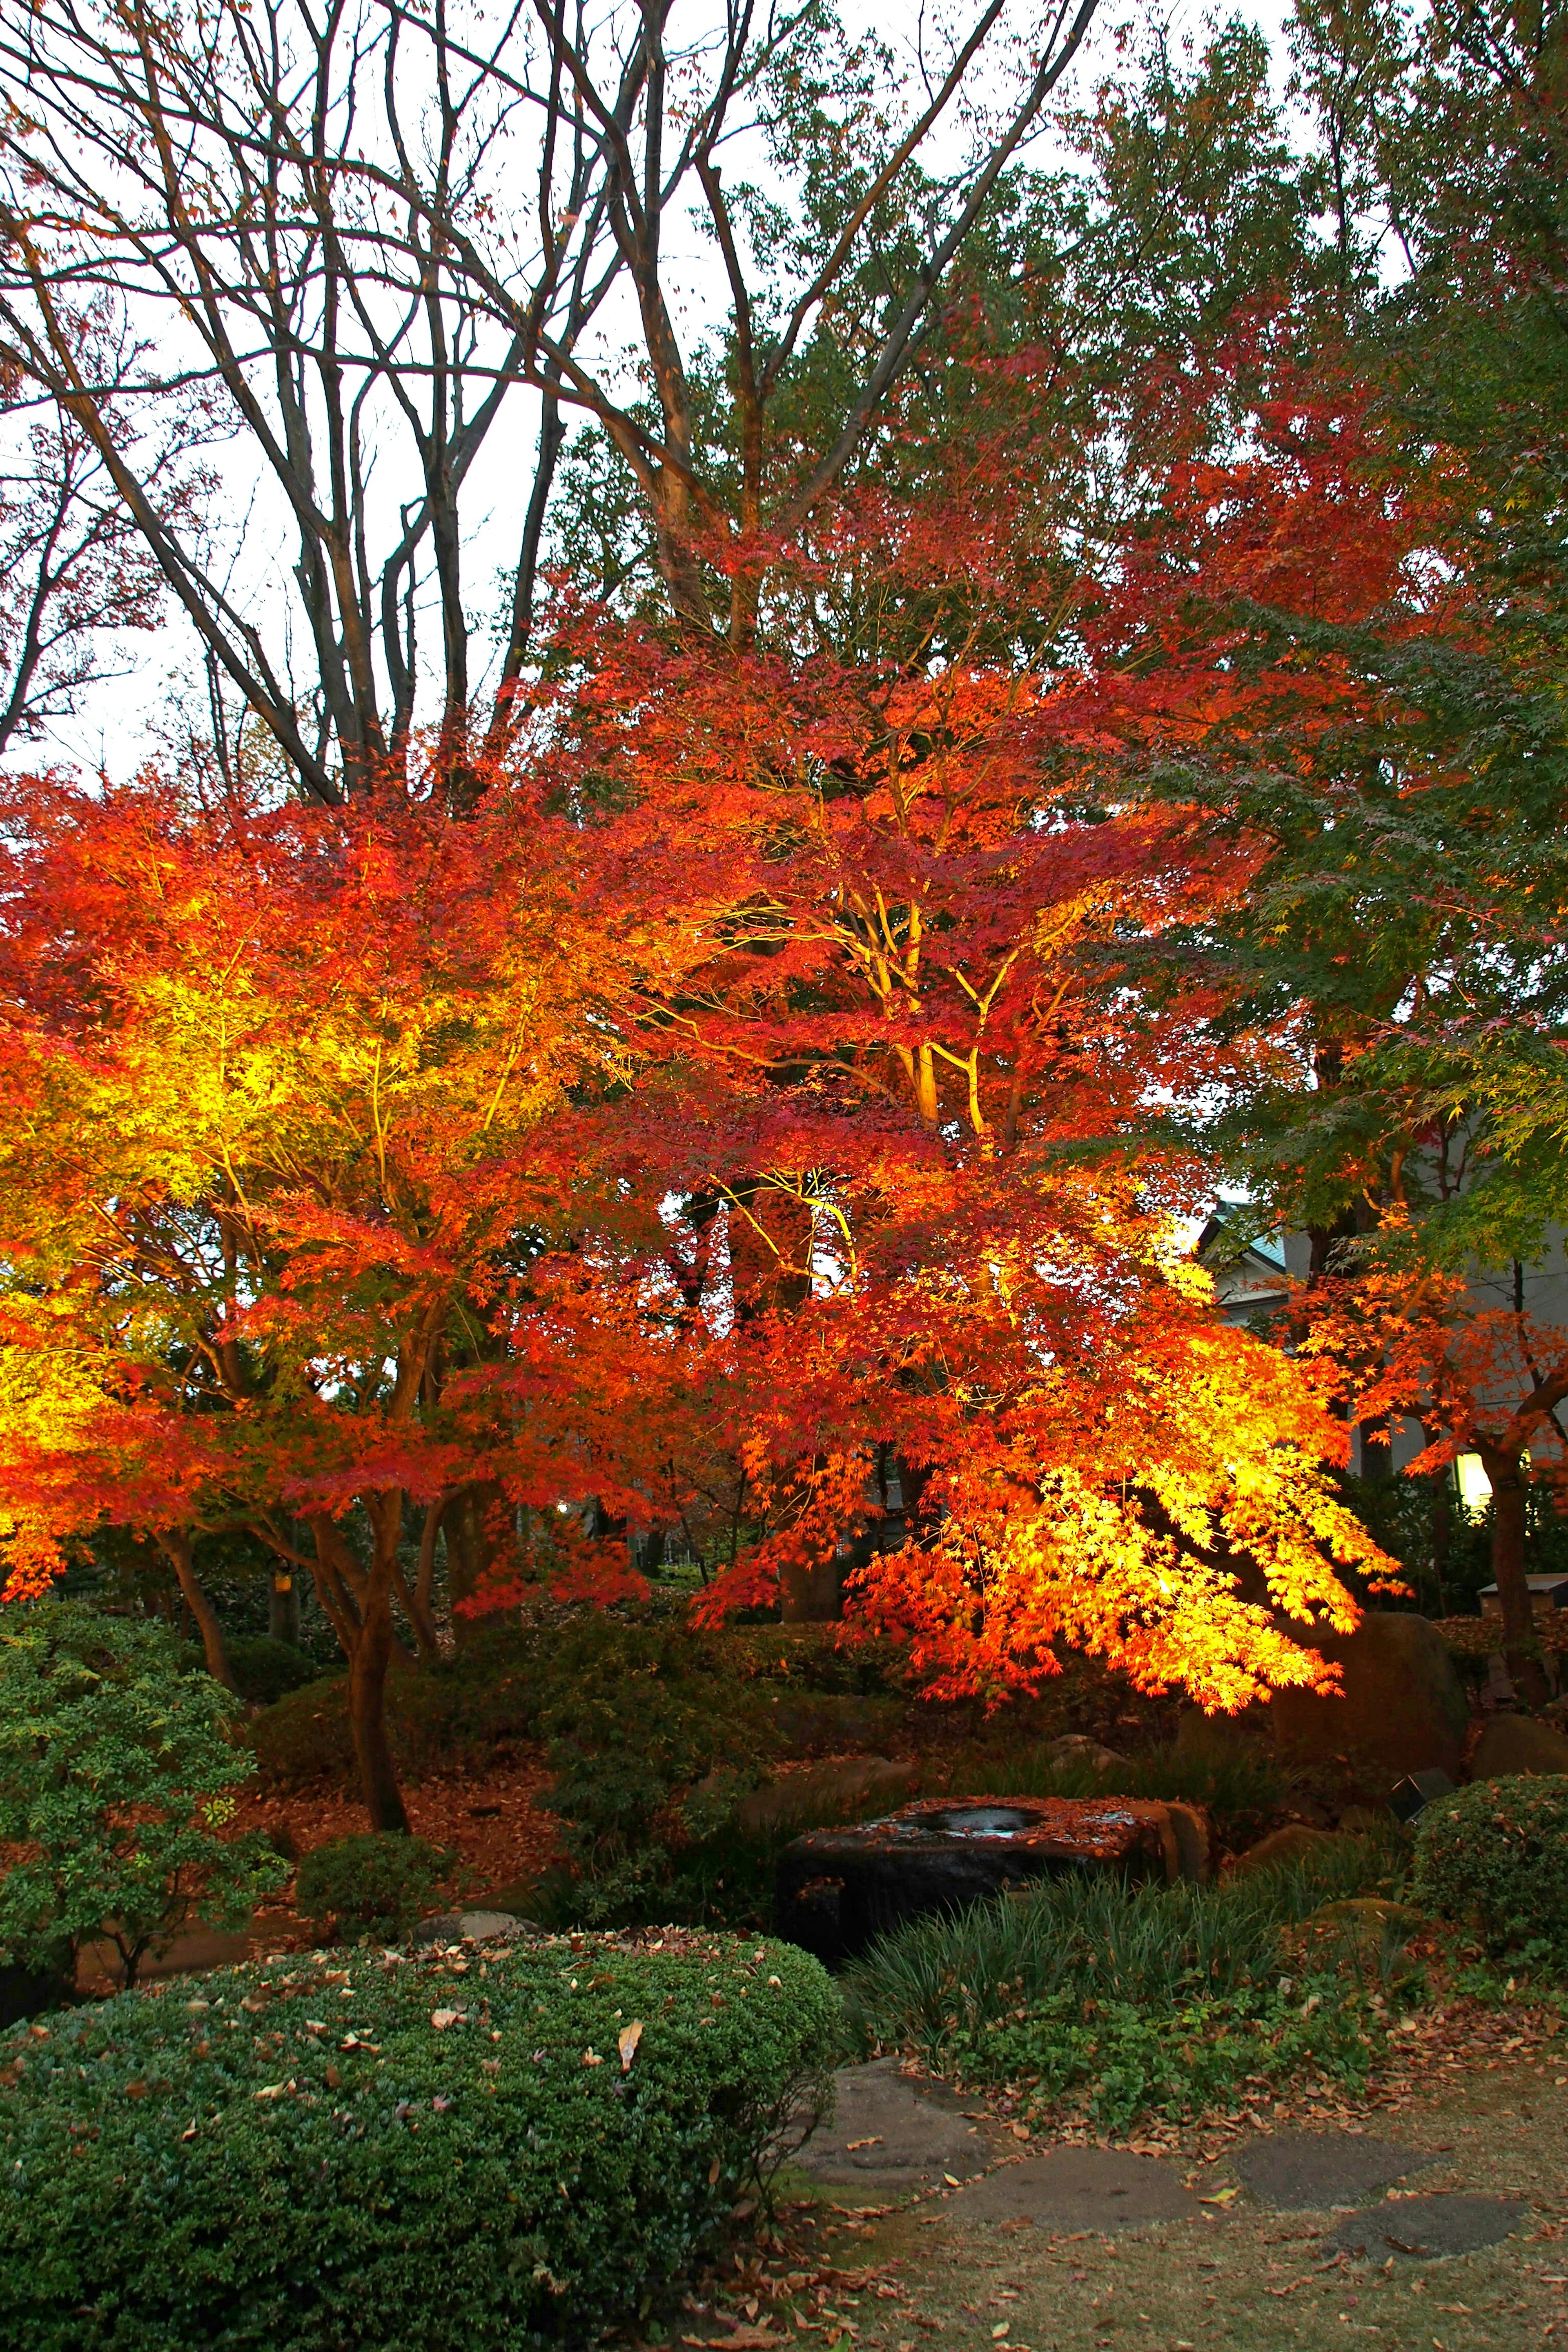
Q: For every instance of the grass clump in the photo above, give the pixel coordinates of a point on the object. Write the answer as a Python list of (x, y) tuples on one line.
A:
[(1137, 1998), (460, 2159)]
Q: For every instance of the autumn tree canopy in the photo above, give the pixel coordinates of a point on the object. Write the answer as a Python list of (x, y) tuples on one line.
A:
[(1012, 717)]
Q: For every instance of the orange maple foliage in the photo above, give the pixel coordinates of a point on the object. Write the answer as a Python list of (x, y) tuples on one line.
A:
[(283, 1092), (750, 1089)]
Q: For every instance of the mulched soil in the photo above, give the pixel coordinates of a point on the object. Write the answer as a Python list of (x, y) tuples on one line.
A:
[(491, 1821)]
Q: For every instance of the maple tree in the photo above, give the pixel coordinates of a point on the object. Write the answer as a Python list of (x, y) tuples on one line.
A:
[(788, 1039), (890, 1135), (283, 1092), (1483, 1380)]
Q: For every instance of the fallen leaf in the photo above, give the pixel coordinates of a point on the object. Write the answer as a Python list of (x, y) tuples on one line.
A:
[(591, 2058), (332, 2078), (627, 2044), (1221, 2196), (875, 2141), (442, 2017)]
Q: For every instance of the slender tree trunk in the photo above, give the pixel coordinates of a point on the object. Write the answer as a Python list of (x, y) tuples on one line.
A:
[(367, 1715), (479, 1532), (176, 1550), (812, 1592), (1521, 1647), (358, 1601)]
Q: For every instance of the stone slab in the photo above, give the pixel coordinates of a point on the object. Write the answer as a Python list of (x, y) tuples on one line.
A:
[(1079, 2189), (1424, 2229), (1311, 2172), (891, 2133)]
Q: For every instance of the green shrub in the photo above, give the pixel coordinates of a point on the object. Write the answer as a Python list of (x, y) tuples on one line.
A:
[(266, 1669), (644, 1727), (1495, 1856), (461, 1713), (1133, 1996), (253, 2159), (116, 1769), (375, 1885)]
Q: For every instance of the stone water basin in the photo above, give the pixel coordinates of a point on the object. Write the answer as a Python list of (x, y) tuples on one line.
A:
[(838, 1889)]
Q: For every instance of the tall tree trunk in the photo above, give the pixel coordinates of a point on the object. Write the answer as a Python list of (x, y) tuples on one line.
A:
[(1519, 1641), (283, 1607), (176, 1550), (811, 1592)]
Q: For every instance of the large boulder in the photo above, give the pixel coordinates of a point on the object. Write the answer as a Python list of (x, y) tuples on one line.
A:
[(1402, 1707), (864, 1784), (1296, 1841), (1515, 1744)]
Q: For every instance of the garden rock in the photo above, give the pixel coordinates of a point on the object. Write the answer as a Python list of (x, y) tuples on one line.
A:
[(1402, 1705), (1422, 2229), (869, 1781), (891, 2133), (1294, 1842), (1515, 1744), (1078, 1747), (1195, 1842), (472, 1928), (1308, 2172), (1098, 2188), (838, 1889)]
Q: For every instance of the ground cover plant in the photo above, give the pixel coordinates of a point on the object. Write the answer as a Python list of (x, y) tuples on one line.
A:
[(479, 2153), (1134, 1998), (118, 1774)]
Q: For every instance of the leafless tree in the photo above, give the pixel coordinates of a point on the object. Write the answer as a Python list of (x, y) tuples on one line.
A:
[(75, 571), (360, 231)]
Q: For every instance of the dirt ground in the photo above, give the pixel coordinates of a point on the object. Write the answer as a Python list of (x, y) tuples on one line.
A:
[(1245, 2276), (504, 1841), (933, 2274)]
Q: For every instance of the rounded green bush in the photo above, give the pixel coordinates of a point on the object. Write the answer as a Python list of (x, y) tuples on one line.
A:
[(372, 1885), (1495, 1856), (266, 1669), (117, 1781), (412, 2156)]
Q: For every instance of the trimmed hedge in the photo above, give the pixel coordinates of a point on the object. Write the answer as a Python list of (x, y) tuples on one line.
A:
[(409, 2155), (1495, 1856)]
